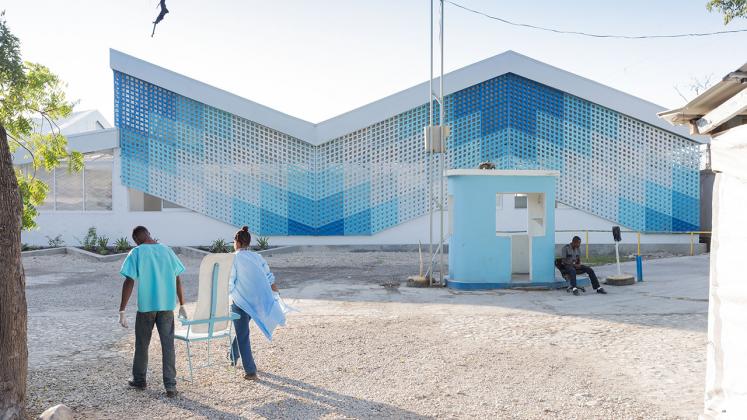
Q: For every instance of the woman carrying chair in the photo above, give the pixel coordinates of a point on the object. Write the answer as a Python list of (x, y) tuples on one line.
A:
[(251, 287)]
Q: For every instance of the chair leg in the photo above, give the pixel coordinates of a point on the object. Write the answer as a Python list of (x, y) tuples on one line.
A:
[(230, 348), (189, 361)]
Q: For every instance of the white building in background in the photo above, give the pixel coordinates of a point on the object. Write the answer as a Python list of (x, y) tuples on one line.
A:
[(193, 162), (89, 190)]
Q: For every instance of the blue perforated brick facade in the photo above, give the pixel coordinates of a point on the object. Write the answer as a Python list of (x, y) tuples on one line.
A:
[(244, 173)]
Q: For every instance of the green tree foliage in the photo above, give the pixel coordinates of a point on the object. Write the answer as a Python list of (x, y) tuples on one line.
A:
[(729, 8), (30, 97)]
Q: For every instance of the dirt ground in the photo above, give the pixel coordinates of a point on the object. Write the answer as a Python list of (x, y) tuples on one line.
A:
[(365, 347)]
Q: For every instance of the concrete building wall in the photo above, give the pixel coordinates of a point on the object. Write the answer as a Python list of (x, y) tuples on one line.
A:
[(236, 161), (185, 227)]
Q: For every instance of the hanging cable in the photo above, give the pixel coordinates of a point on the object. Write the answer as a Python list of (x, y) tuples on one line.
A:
[(558, 31)]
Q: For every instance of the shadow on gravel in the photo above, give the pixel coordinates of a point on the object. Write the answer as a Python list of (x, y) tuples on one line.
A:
[(197, 408), (307, 401), (302, 401)]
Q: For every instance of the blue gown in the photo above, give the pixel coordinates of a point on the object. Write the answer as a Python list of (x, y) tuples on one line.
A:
[(250, 288)]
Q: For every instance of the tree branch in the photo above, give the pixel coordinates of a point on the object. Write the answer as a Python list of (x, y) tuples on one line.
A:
[(23, 144), (680, 93), (52, 124)]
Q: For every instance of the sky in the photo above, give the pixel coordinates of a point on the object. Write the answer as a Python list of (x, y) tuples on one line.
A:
[(318, 59)]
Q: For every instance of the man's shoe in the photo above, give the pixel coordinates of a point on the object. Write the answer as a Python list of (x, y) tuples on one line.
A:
[(171, 393), (575, 291), (250, 376), (137, 385), (601, 291)]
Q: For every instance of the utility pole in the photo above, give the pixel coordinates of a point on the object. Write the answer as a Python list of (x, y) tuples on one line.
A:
[(435, 144)]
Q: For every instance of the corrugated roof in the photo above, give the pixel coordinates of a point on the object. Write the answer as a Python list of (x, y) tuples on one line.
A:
[(707, 101)]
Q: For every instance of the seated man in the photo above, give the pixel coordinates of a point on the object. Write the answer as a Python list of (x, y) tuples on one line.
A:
[(572, 264)]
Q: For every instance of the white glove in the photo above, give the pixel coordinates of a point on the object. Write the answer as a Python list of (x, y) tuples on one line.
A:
[(182, 312), (123, 319)]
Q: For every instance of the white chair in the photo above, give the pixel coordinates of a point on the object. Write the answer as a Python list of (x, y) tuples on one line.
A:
[(212, 317)]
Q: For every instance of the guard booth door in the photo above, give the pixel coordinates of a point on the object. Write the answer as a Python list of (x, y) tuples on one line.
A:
[(520, 219)]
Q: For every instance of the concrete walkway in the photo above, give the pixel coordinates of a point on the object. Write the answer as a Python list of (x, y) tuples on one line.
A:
[(671, 286)]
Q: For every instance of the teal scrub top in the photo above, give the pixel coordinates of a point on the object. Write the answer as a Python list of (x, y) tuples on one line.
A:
[(154, 267)]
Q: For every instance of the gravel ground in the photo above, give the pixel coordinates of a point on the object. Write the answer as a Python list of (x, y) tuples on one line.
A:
[(359, 349)]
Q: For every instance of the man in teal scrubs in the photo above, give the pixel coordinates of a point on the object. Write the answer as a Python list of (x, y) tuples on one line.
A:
[(156, 269)]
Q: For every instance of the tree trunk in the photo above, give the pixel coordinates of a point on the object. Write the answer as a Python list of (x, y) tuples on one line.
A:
[(13, 350)]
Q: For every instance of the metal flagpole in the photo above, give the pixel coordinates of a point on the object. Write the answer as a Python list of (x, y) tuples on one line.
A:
[(429, 160), (442, 157), (435, 143)]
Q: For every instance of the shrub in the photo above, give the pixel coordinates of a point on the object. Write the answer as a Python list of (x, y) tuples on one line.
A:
[(103, 244), (25, 247), (122, 245), (90, 241), (219, 246), (263, 242), (55, 242)]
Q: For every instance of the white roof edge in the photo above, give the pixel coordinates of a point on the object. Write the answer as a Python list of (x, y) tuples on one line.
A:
[(94, 141), (84, 142), (501, 172), (79, 115), (75, 117), (210, 95), (382, 109), (595, 92), (91, 132)]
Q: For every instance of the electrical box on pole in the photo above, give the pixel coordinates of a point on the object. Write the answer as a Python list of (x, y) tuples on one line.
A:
[(435, 137)]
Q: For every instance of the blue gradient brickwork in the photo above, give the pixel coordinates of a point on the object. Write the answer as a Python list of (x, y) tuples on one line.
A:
[(241, 172)]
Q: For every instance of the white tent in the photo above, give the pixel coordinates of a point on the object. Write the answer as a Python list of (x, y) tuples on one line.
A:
[(721, 113)]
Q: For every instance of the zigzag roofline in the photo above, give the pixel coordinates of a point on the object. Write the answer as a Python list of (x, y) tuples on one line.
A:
[(506, 62)]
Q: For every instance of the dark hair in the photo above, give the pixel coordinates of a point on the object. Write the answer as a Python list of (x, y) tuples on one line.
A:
[(243, 237), (139, 234), (576, 238)]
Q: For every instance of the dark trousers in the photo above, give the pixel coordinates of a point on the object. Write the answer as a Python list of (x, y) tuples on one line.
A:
[(241, 346), (572, 271), (164, 321)]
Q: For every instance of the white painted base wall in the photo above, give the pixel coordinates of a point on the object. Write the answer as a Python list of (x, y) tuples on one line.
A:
[(182, 227), (189, 228)]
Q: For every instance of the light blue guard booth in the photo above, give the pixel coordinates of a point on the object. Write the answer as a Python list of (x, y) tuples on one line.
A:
[(492, 245)]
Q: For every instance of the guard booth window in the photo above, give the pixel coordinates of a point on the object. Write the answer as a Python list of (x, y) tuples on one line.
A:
[(520, 201)]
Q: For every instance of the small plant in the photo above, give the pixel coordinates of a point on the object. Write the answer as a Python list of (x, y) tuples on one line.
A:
[(90, 241), (103, 245), (219, 246), (56, 242), (122, 245), (263, 242), (25, 247)]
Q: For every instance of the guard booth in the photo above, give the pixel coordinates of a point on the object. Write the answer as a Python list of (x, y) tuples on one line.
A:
[(488, 249)]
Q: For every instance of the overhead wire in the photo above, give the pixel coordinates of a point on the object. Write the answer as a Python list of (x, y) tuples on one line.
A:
[(593, 35)]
